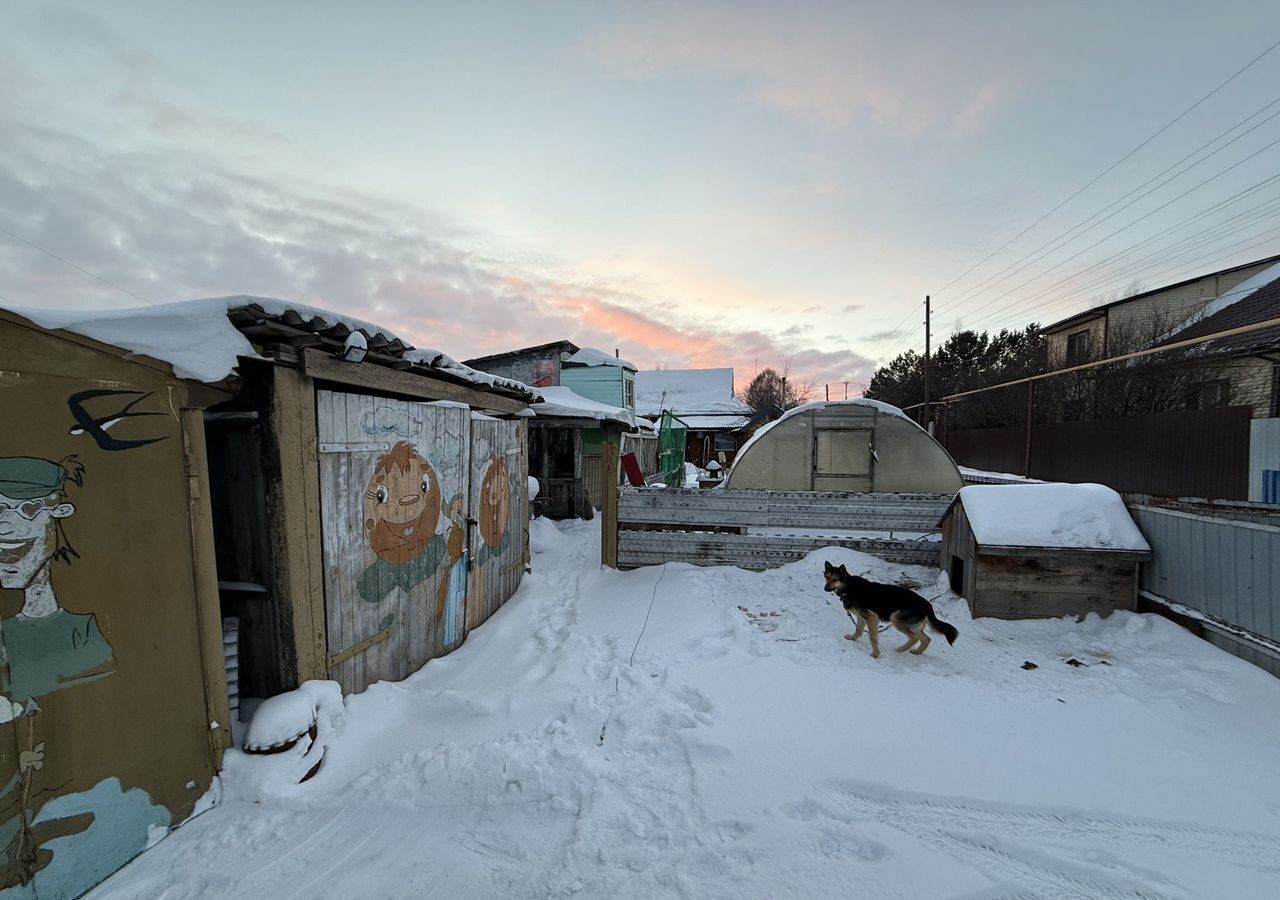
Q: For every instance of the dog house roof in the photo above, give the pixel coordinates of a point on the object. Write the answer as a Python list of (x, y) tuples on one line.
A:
[(1052, 516)]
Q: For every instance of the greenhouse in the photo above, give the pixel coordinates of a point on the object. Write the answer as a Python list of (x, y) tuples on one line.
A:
[(848, 445)]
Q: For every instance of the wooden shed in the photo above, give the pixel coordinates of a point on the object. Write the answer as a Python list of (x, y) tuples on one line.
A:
[(113, 701), (1026, 551)]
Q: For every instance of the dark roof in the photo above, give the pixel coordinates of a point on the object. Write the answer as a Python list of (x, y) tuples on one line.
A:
[(294, 331), (1259, 306), (1094, 311), (540, 349)]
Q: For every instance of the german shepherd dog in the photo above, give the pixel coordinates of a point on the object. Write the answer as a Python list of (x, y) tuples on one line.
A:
[(869, 602)]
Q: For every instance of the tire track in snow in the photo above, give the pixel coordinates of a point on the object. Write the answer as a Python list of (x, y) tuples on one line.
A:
[(1248, 849), (999, 841)]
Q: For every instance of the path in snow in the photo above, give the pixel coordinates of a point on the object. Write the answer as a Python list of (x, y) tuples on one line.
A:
[(708, 733)]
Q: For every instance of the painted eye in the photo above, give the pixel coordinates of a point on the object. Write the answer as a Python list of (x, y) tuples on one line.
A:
[(426, 484), (381, 493)]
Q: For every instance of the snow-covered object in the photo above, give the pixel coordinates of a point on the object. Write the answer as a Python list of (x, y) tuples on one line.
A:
[(280, 720), (288, 738), (563, 402), (589, 356), (690, 392), (534, 487), (355, 347), (198, 339), (1059, 516)]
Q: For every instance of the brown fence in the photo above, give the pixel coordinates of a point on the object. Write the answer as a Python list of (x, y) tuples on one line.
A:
[(1189, 453)]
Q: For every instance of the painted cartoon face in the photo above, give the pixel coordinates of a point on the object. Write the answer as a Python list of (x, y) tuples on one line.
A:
[(495, 502), (28, 536), (401, 505)]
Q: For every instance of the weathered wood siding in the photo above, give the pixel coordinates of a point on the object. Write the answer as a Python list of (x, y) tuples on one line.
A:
[(764, 529), (394, 565), (1052, 583), (500, 507)]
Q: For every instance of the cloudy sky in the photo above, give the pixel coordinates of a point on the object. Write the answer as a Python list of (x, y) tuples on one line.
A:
[(695, 184)]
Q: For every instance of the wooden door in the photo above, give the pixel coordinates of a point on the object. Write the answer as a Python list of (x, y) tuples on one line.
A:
[(499, 500), (394, 479), (843, 459)]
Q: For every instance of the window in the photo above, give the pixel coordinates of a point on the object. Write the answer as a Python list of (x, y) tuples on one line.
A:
[(1209, 394), (1077, 348), (629, 391), (725, 441)]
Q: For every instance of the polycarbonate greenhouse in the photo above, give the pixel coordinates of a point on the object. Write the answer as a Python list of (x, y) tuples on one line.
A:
[(847, 445)]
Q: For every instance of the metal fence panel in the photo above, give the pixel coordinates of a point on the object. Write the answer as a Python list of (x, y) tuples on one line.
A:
[(1189, 453), (1226, 569)]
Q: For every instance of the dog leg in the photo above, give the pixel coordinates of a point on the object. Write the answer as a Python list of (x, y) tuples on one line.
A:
[(873, 629), (912, 637), (923, 639)]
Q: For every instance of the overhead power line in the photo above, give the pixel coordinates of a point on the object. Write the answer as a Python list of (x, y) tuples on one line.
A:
[(1212, 208), (1109, 211), (1161, 130), (78, 268)]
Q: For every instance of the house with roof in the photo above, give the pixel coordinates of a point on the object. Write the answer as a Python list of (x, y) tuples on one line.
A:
[(1237, 374), (1138, 321), (211, 501), (703, 399), (588, 399)]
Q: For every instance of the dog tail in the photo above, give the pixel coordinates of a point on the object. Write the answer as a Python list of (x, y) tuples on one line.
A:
[(947, 631)]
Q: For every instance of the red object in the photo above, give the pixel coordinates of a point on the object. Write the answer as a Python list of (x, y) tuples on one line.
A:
[(631, 466)]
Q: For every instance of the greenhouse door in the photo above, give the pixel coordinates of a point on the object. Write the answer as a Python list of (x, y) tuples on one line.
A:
[(499, 503), (394, 492), (843, 459)]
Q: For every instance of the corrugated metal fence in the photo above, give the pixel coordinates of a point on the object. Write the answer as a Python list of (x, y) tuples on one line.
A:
[(1224, 572)]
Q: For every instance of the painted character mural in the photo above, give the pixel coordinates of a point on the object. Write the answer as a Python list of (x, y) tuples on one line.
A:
[(48, 647), (495, 507), (411, 539)]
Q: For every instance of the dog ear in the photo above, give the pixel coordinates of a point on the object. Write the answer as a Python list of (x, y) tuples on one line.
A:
[(843, 570), (826, 566)]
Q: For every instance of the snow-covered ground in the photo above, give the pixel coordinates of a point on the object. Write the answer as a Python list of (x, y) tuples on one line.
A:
[(709, 733)]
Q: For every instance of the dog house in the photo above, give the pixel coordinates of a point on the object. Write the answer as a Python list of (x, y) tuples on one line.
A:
[(848, 445), (1025, 551)]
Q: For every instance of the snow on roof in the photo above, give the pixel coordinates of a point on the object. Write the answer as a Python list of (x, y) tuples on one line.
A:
[(706, 423), (589, 356), (198, 339), (687, 391), (567, 403), (1056, 516), (1241, 291)]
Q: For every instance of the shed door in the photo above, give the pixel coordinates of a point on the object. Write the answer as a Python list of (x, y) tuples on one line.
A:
[(499, 500), (843, 459), (394, 505)]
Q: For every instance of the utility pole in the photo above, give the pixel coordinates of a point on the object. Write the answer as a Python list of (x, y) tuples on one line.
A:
[(846, 390), (926, 365)]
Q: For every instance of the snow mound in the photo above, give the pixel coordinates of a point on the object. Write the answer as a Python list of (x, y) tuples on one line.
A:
[(1061, 516), (544, 536), (589, 356)]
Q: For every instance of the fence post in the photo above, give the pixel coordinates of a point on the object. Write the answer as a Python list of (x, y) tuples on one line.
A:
[(609, 505), (1031, 394)]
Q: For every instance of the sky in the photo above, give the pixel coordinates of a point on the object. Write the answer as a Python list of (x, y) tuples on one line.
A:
[(693, 184)]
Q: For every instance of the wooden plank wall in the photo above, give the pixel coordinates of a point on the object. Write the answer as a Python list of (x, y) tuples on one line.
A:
[(497, 553), (1052, 584), (764, 529), (372, 638)]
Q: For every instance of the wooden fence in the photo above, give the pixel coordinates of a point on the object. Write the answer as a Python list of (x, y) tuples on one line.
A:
[(765, 529)]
